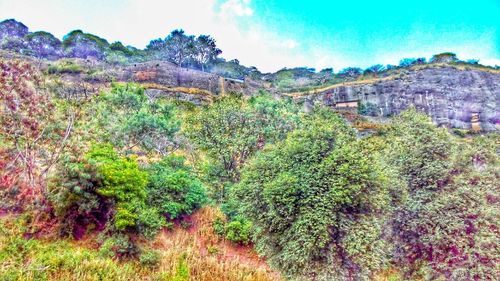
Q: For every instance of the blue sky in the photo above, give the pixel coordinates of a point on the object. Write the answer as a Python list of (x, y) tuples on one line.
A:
[(272, 34)]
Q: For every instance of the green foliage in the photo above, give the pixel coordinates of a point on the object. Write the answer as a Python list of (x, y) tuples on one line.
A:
[(445, 228), (231, 130), (121, 181), (444, 57), (104, 186), (219, 226), (127, 118), (182, 273), (367, 108), (150, 258), (284, 79), (173, 189), (239, 230), (304, 196), (65, 66), (420, 151), (118, 246)]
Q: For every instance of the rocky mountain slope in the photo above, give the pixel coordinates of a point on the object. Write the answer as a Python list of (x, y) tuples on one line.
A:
[(453, 97), (455, 94)]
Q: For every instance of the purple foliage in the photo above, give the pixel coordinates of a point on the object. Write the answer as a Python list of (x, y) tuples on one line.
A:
[(82, 45), (12, 28), (43, 45)]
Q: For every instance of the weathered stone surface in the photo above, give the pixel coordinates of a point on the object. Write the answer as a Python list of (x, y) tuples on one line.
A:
[(168, 74), (194, 99), (450, 96)]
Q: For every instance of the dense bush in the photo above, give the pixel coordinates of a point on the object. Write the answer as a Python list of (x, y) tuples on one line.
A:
[(239, 230), (368, 108), (446, 226), (102, 187), (231, 130), (65, 66), (316, 201), (125, 117), (173, 189)]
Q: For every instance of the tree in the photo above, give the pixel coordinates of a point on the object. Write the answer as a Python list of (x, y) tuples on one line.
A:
[(33, 133), (179, 47), (205, 50), (473, 61), (317, 201), (129, 119), (375, 69), (231, 130), (351, 72), (390, 67), (445, 227), (446, 57), (173, 189), (227, 131), (407, 62)]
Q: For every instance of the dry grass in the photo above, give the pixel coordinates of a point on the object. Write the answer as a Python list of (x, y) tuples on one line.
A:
[(195, 253), (209, 257), (191, 91)]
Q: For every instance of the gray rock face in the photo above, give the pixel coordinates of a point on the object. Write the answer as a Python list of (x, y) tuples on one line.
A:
[(168, 74), (453, 98)]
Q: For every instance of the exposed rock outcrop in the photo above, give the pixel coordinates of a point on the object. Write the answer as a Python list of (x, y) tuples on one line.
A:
[(452, 97)]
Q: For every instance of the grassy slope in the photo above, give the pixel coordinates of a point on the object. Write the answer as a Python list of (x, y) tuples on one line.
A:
[(195, 253)]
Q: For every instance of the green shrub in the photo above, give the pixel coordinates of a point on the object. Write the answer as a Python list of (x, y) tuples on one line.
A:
[(239, 231), (368, 108), (173, 189), (99, 187), (118, 246), (65, 67), (219, 226), (150, 258), (127, 118), (122, 181), (317, 201)]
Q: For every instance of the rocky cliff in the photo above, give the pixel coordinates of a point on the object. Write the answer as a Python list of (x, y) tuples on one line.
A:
[(453, 97)]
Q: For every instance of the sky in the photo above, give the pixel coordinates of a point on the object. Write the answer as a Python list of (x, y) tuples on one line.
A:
[(272, 34)]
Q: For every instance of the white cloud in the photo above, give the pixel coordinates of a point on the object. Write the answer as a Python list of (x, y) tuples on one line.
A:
[(235, 24), (240, 8)]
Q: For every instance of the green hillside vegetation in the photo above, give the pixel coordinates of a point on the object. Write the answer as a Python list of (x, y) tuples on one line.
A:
[(121, 186)]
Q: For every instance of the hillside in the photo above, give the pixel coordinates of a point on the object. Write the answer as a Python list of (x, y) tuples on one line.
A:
[(454, 95), (171, 163)]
